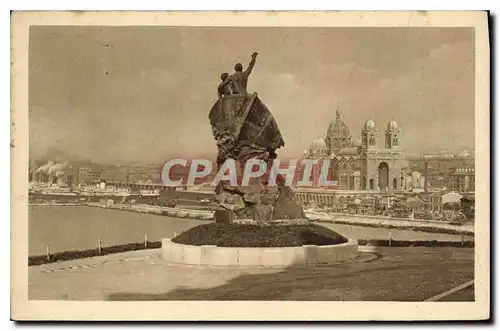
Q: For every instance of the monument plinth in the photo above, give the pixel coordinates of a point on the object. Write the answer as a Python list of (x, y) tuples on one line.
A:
[(261, 203)]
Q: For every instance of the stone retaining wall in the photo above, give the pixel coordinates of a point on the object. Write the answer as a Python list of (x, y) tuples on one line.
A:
[(265, 256)]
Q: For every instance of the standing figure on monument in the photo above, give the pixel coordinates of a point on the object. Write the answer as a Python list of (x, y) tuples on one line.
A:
[(225, 88), (239, 79)]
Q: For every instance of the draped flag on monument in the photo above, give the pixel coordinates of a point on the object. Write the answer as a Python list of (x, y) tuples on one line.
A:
[(250, 124)]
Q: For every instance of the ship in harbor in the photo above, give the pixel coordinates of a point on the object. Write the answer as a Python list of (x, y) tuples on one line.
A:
[(89, 191), (149, 193)]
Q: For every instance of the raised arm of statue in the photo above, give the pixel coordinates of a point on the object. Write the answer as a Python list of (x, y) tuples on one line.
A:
[(248, 71)]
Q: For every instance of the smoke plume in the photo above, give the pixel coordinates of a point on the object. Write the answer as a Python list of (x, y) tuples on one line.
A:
[(53, 169)]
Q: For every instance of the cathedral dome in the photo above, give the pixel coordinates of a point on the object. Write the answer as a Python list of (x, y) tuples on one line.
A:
[(370, 124), (338, 129), (338, 135), (317, 149), (318, 144), (392, 125)]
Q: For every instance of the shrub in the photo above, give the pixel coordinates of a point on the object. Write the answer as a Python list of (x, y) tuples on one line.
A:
[(415, 243), (249, 235), (74, 255)]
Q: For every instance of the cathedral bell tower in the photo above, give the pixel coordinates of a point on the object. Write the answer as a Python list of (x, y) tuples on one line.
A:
[(369, 135), (392, 134)]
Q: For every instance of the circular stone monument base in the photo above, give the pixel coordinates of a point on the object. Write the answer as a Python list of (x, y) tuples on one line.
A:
[(250, 245), (252, 235)]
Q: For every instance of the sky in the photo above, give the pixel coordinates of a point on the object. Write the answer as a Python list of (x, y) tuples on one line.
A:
[(143, 94)]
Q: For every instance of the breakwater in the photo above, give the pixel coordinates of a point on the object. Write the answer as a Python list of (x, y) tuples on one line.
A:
[(368, 221), (392, 223), (159, 210)]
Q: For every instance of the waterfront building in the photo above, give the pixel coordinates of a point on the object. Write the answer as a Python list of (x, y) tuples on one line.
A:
[(461, 180), (87, 175), (116, 175), (437, 167)]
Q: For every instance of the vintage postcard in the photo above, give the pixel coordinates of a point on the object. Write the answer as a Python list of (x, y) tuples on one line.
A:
[(250, 166)]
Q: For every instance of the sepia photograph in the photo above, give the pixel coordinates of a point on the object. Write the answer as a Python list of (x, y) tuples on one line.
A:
[(250, 165)]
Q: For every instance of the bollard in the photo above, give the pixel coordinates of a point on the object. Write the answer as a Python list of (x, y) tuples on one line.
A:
[(390, 239), (145, 241), (48, 252), (99, 245), (462, 239)]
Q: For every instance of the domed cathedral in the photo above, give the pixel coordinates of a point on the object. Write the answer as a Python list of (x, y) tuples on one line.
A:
[(364, 164)]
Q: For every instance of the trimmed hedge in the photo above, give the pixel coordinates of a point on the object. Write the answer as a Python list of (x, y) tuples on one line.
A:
[(73, 255), (250, 235), (415, 243), (429, 229), (316, 237)]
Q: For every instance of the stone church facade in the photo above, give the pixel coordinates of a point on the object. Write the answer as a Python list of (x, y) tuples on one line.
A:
[(374, 162)]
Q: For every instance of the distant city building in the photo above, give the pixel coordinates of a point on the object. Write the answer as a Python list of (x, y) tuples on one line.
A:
[(116, 175), (75, 174), (135, 174), (87, 176), (439, 166), (462, 180), (415, 181)]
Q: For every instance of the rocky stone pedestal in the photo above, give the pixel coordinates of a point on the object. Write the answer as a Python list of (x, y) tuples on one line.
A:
[(257, 202)]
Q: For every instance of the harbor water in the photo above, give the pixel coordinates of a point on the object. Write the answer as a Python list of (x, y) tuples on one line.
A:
[(65, 228)]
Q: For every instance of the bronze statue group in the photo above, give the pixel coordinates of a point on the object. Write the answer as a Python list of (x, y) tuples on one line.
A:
[(242, 125), (237, 82)]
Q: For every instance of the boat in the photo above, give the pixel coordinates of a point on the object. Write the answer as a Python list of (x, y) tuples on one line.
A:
[(149, 193), (57, 191), (121, 193)]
